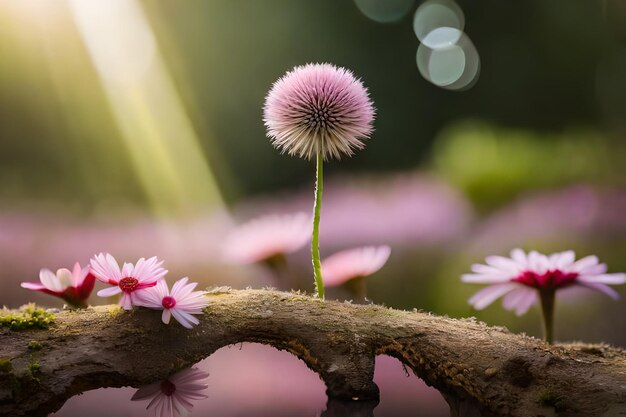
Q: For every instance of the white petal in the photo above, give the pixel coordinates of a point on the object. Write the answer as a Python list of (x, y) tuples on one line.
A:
[(598, 269), (519, 256), (584, 263), (181, 319), (109, 292), (126, 302), (127, 270), (614, 279), (166, 316), (603, 288), (488, 295), (50, 280), (181, 289), (33, 286), (148, 297), (538, 262), (503, 264), (484, 278), (79, 274), (105, 267), (64, 277), (565, 261), (485, 269), (520, 300)]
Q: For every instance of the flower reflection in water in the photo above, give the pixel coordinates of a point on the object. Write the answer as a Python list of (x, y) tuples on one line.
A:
[(175, 395)]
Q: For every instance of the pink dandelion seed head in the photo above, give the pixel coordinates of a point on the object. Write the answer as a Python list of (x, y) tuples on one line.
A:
[(346, 265), (182, 302), (266, 237), (73, 286), (519, 278), (318, 107), (175, 395), (130, 280)]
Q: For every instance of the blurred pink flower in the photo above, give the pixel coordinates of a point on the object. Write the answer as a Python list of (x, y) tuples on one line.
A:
[(266, 237), (318, 107), (343, 266), (519, 277), (74, 287), (181, 303), (418, 210), (571, 214), (129, 280), (174, 395)]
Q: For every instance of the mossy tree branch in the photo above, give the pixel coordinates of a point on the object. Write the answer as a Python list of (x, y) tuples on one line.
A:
[(480, 370)]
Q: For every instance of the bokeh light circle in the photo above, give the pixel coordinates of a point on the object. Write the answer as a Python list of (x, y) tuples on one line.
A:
[(454, 67), (436, 14), (384, 11), (442, 37)]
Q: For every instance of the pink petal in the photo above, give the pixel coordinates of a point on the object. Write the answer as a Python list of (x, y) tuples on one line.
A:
[(360, 262), (267, 236), (147, 391)]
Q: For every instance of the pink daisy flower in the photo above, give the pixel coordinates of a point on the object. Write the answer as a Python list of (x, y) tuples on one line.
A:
[(182, 303), (268, 237), (129, 280), (353, 265), (175, 395), (524, 278), (318, 108), (73, 286)]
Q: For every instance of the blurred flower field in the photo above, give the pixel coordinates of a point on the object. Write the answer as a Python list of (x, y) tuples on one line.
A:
[(142, 128)]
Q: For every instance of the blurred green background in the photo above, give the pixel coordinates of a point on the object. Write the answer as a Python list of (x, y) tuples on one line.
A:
[(138, 130)]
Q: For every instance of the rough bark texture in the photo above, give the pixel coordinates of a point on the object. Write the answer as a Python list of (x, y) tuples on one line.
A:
[(480, 370)]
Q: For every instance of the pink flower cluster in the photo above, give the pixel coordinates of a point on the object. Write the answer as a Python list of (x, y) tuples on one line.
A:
[(263, 238), (141, 284)]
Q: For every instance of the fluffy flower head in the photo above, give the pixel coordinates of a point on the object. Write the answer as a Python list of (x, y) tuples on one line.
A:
[(73, 286), (129, 280), (318, 107), (343, 266), (519, 277), (174, 395), (182, 303), (268, 236)]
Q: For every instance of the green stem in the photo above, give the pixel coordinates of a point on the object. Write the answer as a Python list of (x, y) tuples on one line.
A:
[(315, 246), (547, 309)]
